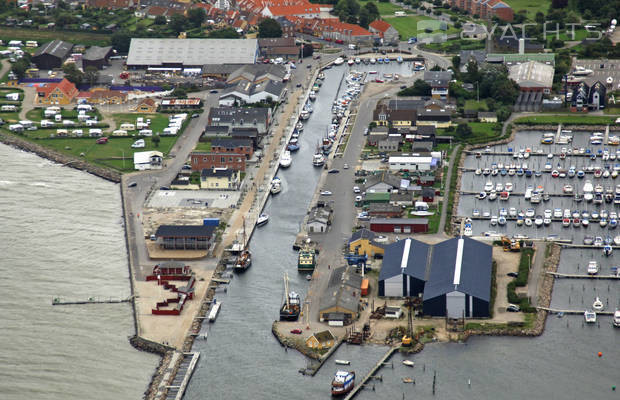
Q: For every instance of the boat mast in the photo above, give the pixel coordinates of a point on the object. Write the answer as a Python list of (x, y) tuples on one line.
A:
[(286, 290)]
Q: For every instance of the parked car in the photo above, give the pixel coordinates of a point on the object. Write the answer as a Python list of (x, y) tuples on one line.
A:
[(513, 308), (356, 189), (102, 140), (132, 184), (333, 171), (513, 274)]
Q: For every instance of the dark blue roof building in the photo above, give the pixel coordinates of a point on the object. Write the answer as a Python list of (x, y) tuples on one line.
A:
[(405, 268)]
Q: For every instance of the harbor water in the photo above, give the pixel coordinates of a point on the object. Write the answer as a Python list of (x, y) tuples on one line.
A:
[(62, 237)]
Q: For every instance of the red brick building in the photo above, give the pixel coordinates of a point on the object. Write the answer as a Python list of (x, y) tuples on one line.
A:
[(202, 161), (234, 146), (485, 9)]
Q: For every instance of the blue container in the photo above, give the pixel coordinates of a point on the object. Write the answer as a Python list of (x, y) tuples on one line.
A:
[(211, 222)]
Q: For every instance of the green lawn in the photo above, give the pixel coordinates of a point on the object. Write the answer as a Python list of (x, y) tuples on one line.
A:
[(385, 9), (566, 119), (158, 121), (481, 132), (203, 146), (36, 114), (455, 45), (531, 6), (476, 105), (408, 26)]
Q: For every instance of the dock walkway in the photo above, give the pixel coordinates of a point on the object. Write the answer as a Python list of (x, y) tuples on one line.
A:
[(582, 276), (56, 301), (576, 312), (177, 387), (372, 372)]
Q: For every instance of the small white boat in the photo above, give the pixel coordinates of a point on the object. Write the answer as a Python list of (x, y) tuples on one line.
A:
[(339, 61), (286, 160), (215, 309), (590, 317), (598, 304), (408, 363), (262, 220), (343, 362), (593, 268)]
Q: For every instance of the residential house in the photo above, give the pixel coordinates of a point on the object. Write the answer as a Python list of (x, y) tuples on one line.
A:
[(383, 182), (144, 160), (321, 340), (146, 106), (52, 54), (383, 210), (111, 4), (383, 115), (185, 237), (428, 194), (489, 117), (233, 146), (333, 30), (436, 118), (61, 93), (439, 82), (235, 117), (306, 10), (364, 241), (210, 160), (376, 134), (597, 96), (387, 32), (288, 28), (219, 179), (251, 93), (284, 47), (247, 134), (404, 199), (102, 96), (389, 144), (256, 73), (485, 9)]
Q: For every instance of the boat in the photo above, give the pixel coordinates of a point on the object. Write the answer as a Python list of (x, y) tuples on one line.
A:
[(215, 309), (306, 259), (318, 159), (408, 380), (593, 268), (589, 316), (408, 363), (312, 95), (276, 186), (587, 191), (607, 250), (286, 159), (350, 62), (617, 319), (343, 382), (291, 306), (598, 304), (244, 260), (262, 220), (342, 362), (358, 60), (292, 147), (373, 61), (339, 61)]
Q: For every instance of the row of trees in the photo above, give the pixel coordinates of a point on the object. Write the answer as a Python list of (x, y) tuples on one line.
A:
[(350, 11)]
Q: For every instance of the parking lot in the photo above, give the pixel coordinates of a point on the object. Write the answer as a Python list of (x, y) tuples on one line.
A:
[(601, 71), (194, 198)]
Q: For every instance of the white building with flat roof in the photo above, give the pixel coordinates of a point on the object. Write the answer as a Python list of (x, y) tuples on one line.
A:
[(144, 160)]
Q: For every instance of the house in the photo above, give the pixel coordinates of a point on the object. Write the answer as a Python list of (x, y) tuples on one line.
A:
[(247, 134), (579, 97), (439, 82), (321, 340), (288, 28), (489, 117), (332, 29), (97, 57), (389, 144), (219, 179), (304, 10), (319, 219), (146, 106), (256, 73), (363, 242), (284, 47), (61, 93), (376, 198), (402, 199), (342, 296), (597, 96), (250, 93), (377, 134), (201, 160), (404, 268), (383, 115), (185, 237), (383, 182), (144, 160), (235, 117), (103, 97), (52, 54), (218, 71), (459, 282), (383, 210), (428, 194), (415, 161), (399, 225), (436, 118), (233, 146), (533, 76), (385, 31)]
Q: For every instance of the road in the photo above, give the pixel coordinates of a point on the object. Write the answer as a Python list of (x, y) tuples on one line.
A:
[(446, 194)]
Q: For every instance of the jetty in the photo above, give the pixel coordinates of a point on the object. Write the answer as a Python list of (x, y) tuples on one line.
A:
[(372, 372), (177, 387), (577, 312), (57, 301), (582, 276)]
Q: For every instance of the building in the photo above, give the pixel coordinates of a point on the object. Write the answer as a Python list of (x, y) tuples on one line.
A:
[(376, 198), (477, 56), (288, 28), (383, 182), (319, 219), (190, 53), (597, 96), (52, 54), (382, 210), (436, 118), (103, 97), (233, 146), (489, 117), (404, 270), (399, 225), (61, 93), (363, 242), (306, 10), (219, 179), (533, 76), (485, 9), (403, 199), (459, 282), (257, 73), (235, 117), (200, 161), (342, 296), (193, 103), (439, 82), (283, 47), (384, 115), (389, 144), (146, 106), (97, 57), (144, 160), (185, 237), (415, 161), (246, 134), (385, 31), (250, 93), (321, 340)]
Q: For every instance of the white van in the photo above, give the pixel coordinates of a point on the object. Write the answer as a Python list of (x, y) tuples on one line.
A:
[(16, 128), (128, 127), (8, 107), (95, 132), (58, 117), (119, 132), (62, 132), (46, 123), (138, 144), (77, 132), (12, 96), (139, 120), (170, 131), (145, 132)]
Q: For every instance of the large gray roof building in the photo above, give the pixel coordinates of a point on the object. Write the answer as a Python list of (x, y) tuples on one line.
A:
[(52, 54), (177, 53)]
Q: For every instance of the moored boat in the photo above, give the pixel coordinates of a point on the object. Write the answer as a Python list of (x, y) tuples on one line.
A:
[(306, 259), (262, 220), (292, 304), (343, 382)]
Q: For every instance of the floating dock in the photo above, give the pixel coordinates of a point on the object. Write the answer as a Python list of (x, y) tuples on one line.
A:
[(374, 370), (177, 387), (56, 301), (576, 312), (582, 276)]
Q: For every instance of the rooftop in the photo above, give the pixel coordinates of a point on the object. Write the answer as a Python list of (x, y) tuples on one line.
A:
[(185, 231)]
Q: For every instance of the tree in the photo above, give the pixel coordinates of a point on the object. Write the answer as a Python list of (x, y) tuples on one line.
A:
[(463, 130), (19, 67), (91, 75), (269, 28), (178, 23), (72, 73), (196, 16), (472, 74), (364, 18), (155, 139), (419, 88), (373, 11), (160, 20), (179, 92), (226, 33), (120, 41)]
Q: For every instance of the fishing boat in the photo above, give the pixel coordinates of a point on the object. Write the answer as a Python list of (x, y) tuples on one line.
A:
[(306, 259), (408, 363), (590, 317), (276, 186), (262, 220), (343, 382), (598, 304), (342, 362), (291, 306), (244, 260)]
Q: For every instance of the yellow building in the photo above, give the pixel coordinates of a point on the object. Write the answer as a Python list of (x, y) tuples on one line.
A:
[(321, 340), (219, 179), (146, 106), (61, 93), (383, 115), (363, 242)]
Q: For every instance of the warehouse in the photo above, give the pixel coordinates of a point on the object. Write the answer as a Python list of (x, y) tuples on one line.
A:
[(459, 283), (52, 54), (404, 269), (533, 76), (175, 54), (399, 225), (97, 57), (342, 297)]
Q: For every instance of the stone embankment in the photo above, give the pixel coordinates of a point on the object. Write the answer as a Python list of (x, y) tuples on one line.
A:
[(298, 345), (60, 158)]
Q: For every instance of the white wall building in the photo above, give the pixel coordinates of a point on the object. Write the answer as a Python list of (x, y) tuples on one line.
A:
[(148, 160)]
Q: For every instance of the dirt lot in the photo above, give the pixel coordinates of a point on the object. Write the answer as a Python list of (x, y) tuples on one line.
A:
[(506, 262)]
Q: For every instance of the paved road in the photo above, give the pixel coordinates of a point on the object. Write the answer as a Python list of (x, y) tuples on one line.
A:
[(446, 195)]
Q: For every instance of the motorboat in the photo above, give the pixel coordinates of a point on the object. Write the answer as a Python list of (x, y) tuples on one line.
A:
[(476, 213), (557, 213), (528, 222), (581, 174), (607, 250), (304, 115), (588, 240), (585, 222), (408, 363), (501, 221), (593, 268), (504, 196), (598, 241), (603, 222), (343, 382), (530, 212), (590, 317), (509, 187), (492, 195), (576, 222), (342, 362), (478, 171), (588, 191), (262, 220), (519, 220), (568, 189), (538, 221), (486, 171), (312, 95), (339, 61), (566, 222), (482, 195), (547, 221), (276, 186), (286, 159), (617, 240), (494, 220), (350, 61), (326, 193), (578, 197), (468, 230), (488, 186), (318, 159), (512, 212)]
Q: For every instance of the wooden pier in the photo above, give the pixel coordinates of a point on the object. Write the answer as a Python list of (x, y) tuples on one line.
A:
[(575, 312), (374, 370), (582, 276), (56, 301), (177, 387), (532, 154), (512, 194)]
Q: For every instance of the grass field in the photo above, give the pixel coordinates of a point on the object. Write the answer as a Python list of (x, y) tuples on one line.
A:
[(455, 45), (385, 9), (566, 119), (408, 26), (43, 36), (476, 105), (481, 132), (203, 146), (158, 121), (36, 114), (531, 6)]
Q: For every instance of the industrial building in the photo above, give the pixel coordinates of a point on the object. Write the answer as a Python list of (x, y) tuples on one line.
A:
[(340, 303), (399, 225), (96, 57), (52, 54), (185, 237), (404, 269), (533, 76), (177, 54)]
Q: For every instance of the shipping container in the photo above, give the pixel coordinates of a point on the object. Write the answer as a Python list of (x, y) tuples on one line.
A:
[(365, 284), (211, 222)]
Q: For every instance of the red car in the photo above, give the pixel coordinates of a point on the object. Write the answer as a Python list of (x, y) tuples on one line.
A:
[(296, 331), (379, 80), (102, 140)]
